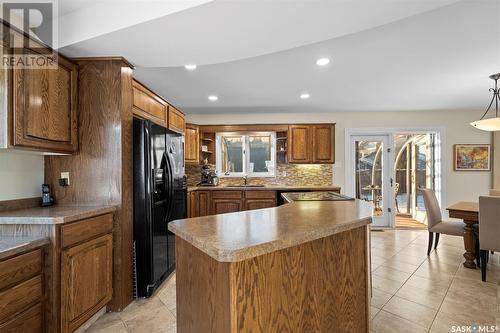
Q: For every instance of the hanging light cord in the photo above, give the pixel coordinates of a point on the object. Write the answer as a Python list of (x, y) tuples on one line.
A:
[(496, 96)]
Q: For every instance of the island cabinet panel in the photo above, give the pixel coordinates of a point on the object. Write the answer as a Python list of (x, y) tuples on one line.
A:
[(317, 286), (44, 108), (300, 144), (176, 120), (148, 105), (86, 286), (323, 143), (192, 145)]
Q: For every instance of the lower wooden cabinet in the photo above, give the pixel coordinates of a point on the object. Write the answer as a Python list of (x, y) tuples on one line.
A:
[(222, 206), (86, 284), (260, 199), (22, 293)]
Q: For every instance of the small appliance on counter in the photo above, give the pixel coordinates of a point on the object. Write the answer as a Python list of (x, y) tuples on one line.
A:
[(208, 177), (47, 199)]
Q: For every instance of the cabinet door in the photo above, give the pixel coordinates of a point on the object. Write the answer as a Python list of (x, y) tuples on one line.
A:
[(191, 147), (176, 121), (299, 144), (148, 105), (193, 210), (259, 203), (45, 107), (323, 143), (203, 203), (221, 206), (86, 285)]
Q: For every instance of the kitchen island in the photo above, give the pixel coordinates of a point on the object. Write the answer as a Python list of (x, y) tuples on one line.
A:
[(300, 267)]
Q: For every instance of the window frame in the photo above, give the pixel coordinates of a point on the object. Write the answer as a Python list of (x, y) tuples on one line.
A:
[(245, 155)]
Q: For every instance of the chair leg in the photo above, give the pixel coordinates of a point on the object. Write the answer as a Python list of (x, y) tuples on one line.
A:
[(487, 256), (431, 238), (484, 253), (436, 241)]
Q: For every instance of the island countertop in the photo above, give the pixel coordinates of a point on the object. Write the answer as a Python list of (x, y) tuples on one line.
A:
[(52, 215), (243, 235)]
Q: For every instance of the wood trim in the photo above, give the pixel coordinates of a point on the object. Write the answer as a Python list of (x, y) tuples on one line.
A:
[(116, 58), (24, 203), (243, 128)]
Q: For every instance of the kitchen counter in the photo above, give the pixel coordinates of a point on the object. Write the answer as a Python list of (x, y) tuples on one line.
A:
[(12, 245), (264, 188), (258, 270), (314, 196), (52, 215), (247, 234)]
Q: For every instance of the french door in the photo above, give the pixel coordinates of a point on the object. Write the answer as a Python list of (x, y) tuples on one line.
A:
[(369, 175)]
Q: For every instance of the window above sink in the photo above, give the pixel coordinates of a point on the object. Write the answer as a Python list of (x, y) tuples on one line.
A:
[(246, 154)]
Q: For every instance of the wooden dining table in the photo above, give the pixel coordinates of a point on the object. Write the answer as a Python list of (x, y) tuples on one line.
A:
[(469, 213)]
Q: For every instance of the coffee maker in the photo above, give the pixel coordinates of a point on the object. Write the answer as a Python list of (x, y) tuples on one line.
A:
[(208, 176)]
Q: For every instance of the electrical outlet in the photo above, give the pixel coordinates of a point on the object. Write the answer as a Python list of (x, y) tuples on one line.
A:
[(65, 175)]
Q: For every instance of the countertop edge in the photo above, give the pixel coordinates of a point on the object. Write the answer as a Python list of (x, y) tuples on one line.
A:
[(33, 219), (23, 247), (265, 248), (262, 188)]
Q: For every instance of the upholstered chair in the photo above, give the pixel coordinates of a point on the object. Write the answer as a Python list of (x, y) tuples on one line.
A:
[(435, 223), (489, 229), (495, 192)]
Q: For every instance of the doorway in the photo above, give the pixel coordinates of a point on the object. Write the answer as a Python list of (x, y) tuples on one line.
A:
[(388, 168)]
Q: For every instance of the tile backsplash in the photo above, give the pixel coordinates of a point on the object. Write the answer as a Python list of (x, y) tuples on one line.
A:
[(286, 175)]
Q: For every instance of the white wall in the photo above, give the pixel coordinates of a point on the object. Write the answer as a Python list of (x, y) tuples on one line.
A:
[(460, 186), (21, 174)]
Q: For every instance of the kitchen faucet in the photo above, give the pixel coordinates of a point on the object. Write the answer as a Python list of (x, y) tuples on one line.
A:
[(246, 179)]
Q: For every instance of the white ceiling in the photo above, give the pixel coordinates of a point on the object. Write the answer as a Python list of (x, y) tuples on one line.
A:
[(386, 55)]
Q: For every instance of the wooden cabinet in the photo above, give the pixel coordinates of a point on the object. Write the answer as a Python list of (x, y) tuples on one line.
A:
[(86, 286), (323, 143), (86, 269), (259, 199), (226, 202), (314, 143), (176, 120), (38, 106), (22, 292), (198, 203), (192, 145), (299, 144), (148, 105)]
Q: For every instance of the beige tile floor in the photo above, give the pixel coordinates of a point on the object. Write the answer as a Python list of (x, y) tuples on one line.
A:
[(411, 292)]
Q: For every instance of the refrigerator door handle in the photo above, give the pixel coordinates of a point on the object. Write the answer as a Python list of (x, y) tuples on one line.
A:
[(169, 185)]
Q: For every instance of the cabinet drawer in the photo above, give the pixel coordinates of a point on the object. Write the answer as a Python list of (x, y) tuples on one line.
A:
[(76, 232), (260, 194), (227, 194), (30, 321), (20, 297), (20, 268)]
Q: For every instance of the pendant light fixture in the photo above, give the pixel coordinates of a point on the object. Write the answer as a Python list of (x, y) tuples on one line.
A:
[(490, 124)]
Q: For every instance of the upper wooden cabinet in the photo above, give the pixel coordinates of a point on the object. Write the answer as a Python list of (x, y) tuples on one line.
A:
[(176, 120), (148, 105), (323, 143), (299, 144), (192, 144), (311, 143), (39, 105)]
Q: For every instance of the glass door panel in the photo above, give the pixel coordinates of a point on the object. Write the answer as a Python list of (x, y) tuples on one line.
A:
[(371, 175)]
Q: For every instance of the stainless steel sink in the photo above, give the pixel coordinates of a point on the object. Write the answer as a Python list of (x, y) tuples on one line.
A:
[(245, 186)]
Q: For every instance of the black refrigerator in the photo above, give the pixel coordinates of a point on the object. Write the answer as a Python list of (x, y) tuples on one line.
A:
[(160, 196)]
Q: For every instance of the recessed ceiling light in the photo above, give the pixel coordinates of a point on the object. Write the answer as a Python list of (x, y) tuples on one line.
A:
[(213, 98), (305, 96), (322, 61), (191, 67)]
